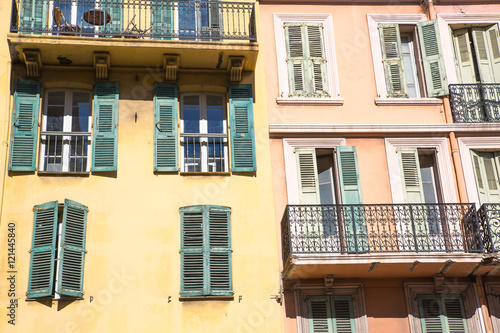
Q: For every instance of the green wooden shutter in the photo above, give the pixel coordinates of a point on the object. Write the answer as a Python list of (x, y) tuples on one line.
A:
[(486, 170), (463, 55), (454, 314), (24, 129), (319, 312), (307, 176), (431, 313), (193, 263), (165, 131), (296, 59), (410, 172), (33, 16), (115, 9), (432, 57), (494, 46), (317, 61), (72, 256), (350, 188), (392, 57), (43, 249), (162, 19), (105, 127), (483, 55), (480, 177), (242, 128), (219, 247), (343, 314)]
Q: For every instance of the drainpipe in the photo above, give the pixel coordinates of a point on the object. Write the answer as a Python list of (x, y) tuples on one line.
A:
[(482, 303)]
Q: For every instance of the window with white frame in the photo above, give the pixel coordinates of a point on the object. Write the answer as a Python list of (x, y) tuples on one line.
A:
[(306, 59), (204, 132), (65, 135), (407, 56)]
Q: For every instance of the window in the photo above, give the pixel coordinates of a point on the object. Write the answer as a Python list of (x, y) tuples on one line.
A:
[(306, 59), (206, 251), (330, 314), (58, 250), (442, 313), (407, 57), (65, 136), (477, 54), (65, 130), (204, 138), (486, 171), (203, 133)]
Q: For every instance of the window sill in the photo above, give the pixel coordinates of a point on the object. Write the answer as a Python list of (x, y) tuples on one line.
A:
[(309, 101), (185, 173), (58, 174), (408, 101), (208, 297), (52, 299)]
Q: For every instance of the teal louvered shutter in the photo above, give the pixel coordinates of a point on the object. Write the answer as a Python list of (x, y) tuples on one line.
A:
[(105, 127), (296, 59), (343, 314), (193, 263), (165, 131), (392, 58), (432, 58), (242, 128), (115, 9), (454, 314), (307, 176), (219, 247), (43, 249), (431, 313), (33, 16), (162, 19), (317, 60), (24, 129), (72, 256), (350, 189), (319, 312)]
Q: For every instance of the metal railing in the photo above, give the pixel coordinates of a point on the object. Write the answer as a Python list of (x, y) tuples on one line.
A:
[(380, 228), (489, 217), (65, 152), (204, 152), (475, 103), (179, 20)]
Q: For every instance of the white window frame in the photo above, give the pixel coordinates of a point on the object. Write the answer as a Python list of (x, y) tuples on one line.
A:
[(354, 290), (67, 123), (291, 172), (444, 168), (204, 130), (465, 145), (373, 21), (469, 298), (331, 64), (444, 22)]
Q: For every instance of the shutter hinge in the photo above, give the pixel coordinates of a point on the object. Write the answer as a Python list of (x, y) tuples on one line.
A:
[(86, 251)]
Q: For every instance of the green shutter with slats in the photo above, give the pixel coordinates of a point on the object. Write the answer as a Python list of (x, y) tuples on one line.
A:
[(392, 58), (483, 55), (486, 168), (463, 56), (296, 59), (165, 131), (493, 38), (330, 314), (43, 249), (442, 313), (33, 16), (105, 127), (350, 188), (307, 176), (115, 9), (24, 129), (455, 314), (410, 172), (317, 61), (206, 251), (242, 128), (162, 19), (432, 58), (72, 256)]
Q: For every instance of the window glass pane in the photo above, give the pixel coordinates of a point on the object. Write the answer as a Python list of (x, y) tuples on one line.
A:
[(53, 153), (215, 114), (428, 179), (216, 154), (490, 172), (80, 112), (324, 164), (409, 65), (191, 114), (192, 150), (55, 111)]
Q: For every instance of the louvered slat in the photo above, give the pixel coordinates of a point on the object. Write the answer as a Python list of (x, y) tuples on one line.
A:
[(193, 258), (320, 314), (219, 250), (307, 172), (193, 273), (192, 232), (392, 59), (165, 130), (343, 314), (410, 169), (431, 314), (455, 315)]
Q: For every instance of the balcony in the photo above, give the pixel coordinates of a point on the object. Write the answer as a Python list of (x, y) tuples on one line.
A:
[(212, 29), (475, 103), (327, 238), (489, 217)]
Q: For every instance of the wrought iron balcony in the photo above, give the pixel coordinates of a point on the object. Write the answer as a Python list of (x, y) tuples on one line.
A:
[(489, 217), (164, 20), (475, 103), (380, 228)]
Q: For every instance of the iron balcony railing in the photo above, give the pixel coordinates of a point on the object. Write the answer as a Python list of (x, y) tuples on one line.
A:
[(475, 103), (380, 228), (65, 151), (164, 20), (489, 217)]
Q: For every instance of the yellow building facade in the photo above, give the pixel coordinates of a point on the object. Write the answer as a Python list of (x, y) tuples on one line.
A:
[(154, 127)]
